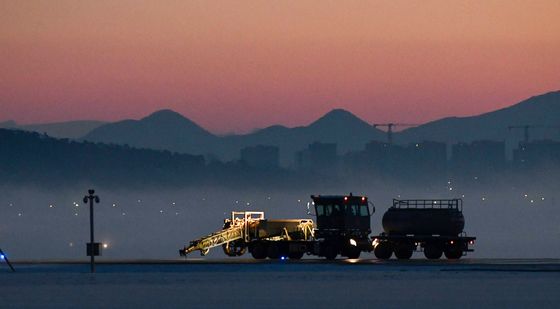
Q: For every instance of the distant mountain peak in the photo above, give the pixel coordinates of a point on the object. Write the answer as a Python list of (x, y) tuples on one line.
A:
[(271, 129), (8, 124), (165, 114), (339, 112), (338, 116)]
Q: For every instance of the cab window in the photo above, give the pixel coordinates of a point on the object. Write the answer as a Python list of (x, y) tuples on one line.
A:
[(336, 210), (364, 211), (320, 210), (351, 210)]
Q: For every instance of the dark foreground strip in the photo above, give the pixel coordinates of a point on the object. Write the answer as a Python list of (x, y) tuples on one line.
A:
[(512, 269)]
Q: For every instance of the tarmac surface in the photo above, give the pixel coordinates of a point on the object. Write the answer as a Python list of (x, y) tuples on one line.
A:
[(465, 264), (313, 283)]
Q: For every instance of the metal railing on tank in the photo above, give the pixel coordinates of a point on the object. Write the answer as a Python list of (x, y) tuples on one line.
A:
[(429, 204)]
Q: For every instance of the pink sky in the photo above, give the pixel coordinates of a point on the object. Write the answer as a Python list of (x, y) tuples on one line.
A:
[(232, 66)]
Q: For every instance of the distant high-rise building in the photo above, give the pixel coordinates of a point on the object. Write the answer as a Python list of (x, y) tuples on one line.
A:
[(535, 154), (478, 157), (261, 156), (381, 157), (424, 160), (317, 157), (427, 159)]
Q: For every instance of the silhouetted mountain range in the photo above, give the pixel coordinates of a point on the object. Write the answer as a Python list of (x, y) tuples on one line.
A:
[(542, 110), (163, 130), (169, 130), (116, 158), (338, 126), (68, 129)]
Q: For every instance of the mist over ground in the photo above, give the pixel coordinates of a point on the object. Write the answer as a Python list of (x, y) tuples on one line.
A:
[(509, 221)]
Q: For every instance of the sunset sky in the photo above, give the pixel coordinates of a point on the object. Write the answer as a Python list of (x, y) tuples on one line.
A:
[(233, 66)]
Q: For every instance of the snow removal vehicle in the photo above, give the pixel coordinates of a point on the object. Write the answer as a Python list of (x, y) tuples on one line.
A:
[(342, 228)]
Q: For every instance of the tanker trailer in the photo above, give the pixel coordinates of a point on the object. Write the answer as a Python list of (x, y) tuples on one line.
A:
[(432, 226)]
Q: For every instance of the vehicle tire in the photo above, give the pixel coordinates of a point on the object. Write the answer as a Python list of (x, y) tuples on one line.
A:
[(241, 251), (403, 251), (433, 251), (354, 253), (273, 251), (453, 253), (259, 251), (329, 252), (295, 255), (234, 248), (383, 250)]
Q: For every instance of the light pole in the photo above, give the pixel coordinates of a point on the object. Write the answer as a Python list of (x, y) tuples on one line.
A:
[(93, 248)]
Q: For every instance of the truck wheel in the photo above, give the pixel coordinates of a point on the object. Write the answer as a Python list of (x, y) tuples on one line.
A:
[(234, 248), (403, 251), (353, 253), (329, 252), (295, 255), (241, 251), (453, 253), (259, 251), (383, 250), (432, 251), (273, 251)]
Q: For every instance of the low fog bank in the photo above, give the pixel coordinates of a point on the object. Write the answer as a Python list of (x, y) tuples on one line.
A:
[(510, 221)]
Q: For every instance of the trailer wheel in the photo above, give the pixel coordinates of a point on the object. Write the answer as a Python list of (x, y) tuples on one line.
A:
[(453, 253), (295, 255), (273, 251), (433, 251), (258, 251), (403, 251), (383, 250)]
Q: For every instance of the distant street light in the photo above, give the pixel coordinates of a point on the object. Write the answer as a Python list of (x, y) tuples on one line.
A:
[(93, 248)]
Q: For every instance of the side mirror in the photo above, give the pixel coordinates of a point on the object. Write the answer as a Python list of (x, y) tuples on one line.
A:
[(372, 208)]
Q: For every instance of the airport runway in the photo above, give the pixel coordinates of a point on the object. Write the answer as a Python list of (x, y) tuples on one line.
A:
[(314, 283), (197, 263)]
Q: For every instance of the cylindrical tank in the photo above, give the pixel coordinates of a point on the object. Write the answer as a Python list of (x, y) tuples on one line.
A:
[(271, 228), (423, 221)]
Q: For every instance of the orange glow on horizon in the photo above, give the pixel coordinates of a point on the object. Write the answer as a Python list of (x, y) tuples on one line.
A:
[(234, 66)]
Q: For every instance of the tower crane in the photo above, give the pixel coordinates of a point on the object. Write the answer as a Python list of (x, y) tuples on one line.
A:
[(526, 128), (390, 128)]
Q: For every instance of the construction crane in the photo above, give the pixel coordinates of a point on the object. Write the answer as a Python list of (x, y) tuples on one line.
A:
[(526, 128), (390, 128)]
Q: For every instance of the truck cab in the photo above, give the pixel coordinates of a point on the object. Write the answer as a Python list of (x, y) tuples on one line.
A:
[(343, 223)]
